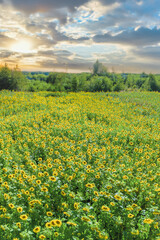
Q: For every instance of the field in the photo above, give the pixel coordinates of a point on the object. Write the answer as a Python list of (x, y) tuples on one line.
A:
[(79, 166)]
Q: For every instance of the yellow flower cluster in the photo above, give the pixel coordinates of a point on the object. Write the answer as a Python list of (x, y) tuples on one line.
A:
[(80, 165)]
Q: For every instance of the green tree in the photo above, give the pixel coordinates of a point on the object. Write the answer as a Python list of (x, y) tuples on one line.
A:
[(18, 80), (99, 69), (5, 77), (152, 83), (75, 83), (51, 78)]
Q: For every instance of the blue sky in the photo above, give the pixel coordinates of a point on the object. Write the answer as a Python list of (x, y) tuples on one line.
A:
[(65, 34)]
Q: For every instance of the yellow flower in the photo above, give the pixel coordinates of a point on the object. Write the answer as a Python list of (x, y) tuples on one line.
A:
[(85, 219), (42, 237), (76, 205), (96, 193), (48, 225), (135, 232), (112, 203), (38, 181), (125, 177), (148, 220), (86, 209), (36, 229), (130, 215), (104, 208), (56, 223), (56, 234), (49, 214), (18, 224), (71, 223), (52, 178), (19, 209), (90, 185), (2, 227), (117, 197), (23, 217), (11, 205), (63, 193)]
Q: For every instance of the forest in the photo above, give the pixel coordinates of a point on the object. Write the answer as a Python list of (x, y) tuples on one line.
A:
[(98, 80)]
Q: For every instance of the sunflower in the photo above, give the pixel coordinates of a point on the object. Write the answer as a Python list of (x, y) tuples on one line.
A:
[(52, 178), (19, 209), (23, 217), (117, 197), (36, 229), (42, 237), (48, 225), (106, 209), (148, 220)]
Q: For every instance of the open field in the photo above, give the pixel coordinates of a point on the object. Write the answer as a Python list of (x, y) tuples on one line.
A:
[(79, 166)]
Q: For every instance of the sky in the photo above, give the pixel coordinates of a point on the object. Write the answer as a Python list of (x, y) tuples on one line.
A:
[(70, 35)]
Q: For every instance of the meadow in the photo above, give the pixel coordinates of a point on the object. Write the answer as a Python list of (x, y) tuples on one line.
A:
[(79, 166)]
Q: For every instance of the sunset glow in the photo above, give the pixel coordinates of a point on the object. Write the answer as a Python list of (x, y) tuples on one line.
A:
[(123, 35), (22, 47)]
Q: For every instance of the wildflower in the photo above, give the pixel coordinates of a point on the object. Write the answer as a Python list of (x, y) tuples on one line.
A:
[(18, 224), (23, 217), (117, 197), (56, 222), (148, 220), (11, 205), (106, 209), (19, 209), (90, 185), (76, 205), (63, 193), (130, 215), (56, 234), (38, 181), (36, 229), (48, 225), (71, 223), (52, 178), (112, 204), (125, 177), (42, 237), (49, 214), (85, 219), (135, 232)]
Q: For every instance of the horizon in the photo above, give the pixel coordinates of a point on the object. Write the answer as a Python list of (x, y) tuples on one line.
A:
[(67, 36)]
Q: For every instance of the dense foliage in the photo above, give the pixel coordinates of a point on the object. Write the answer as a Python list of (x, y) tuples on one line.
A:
[(79, 166), (99, 80)]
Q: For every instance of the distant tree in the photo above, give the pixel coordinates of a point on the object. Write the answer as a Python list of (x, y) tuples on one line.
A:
[(51, 78), (18, 80), (98, 84), (152, 83), (5, 77), (99, 69), (75, 84), (119, 86)]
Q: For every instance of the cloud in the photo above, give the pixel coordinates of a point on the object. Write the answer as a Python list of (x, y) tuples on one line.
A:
[(109, 2), (76, 64), (5, 41), (141, 37), (152, 52), (5, 54), (31, 6), (48, 53), (61, 36)]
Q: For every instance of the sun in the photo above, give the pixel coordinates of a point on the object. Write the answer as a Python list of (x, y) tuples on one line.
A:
[(22, 46)]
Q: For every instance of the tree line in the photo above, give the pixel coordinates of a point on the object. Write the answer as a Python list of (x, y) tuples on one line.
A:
[(99, 80)]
